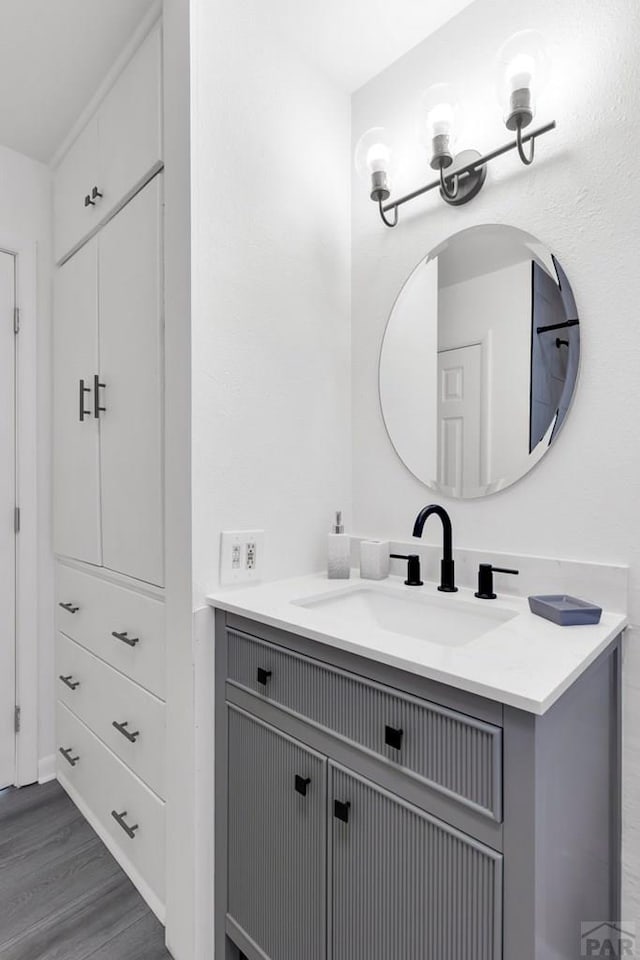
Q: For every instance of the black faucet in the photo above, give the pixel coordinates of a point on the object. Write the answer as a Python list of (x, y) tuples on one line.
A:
[(447, 567)]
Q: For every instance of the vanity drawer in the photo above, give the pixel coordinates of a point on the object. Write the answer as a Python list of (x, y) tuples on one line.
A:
[(91, 611), (102, 697), (106, 787), (453, 753)]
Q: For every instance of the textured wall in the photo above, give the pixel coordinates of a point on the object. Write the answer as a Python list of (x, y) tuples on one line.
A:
[(581, 199), (270, 333)]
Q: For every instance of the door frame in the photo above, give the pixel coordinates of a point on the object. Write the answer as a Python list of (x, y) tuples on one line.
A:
[(27, 601)]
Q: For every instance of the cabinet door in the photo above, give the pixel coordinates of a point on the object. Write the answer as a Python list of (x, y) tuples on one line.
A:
[(76, 453), (131, 361), (130, 125), (404, 884), (72, 182), (277, 841)]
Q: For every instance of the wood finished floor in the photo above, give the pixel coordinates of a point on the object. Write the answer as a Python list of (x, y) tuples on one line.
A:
[(62, 895)]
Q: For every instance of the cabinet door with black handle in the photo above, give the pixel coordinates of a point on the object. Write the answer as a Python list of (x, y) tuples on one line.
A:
[(403, 884), (129, 407), (76, 434), (277, 840)]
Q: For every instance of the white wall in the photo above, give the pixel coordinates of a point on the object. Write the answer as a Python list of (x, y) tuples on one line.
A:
[(270, 339), (580, 198), (25, 220), (270, 326)]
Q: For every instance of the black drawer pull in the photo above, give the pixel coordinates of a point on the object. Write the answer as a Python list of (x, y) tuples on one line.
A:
[(119, 818), (341, 810), (83, 412), (97, 387), (95, 193), (88, 202), (66, 753), (301, 784), (263, 676), (121, 728), (393, 737), (69, 682), (130, 641), (69, 607)]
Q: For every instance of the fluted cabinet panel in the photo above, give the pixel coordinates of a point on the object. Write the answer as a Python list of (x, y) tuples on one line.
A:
[(452, 752), (277, 841), (404, 885)]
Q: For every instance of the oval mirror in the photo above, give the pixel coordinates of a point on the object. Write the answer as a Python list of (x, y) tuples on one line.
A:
[(479, 361)]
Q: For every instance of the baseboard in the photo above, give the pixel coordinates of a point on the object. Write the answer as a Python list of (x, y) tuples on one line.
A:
[(141, 885), (47, 768)]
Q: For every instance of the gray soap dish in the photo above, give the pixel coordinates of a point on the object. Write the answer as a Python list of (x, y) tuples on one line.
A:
[(565, 611)]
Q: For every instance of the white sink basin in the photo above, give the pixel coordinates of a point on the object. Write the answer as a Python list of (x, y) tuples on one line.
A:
[(442, 619)]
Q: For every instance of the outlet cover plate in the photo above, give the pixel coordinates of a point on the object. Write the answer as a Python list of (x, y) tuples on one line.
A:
[(241, 556)]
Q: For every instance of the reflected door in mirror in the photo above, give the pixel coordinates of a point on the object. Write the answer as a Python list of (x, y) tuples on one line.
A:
[(460, 432)]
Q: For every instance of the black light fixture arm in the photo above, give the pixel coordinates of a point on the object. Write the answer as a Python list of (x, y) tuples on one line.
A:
[(450, 186), (468, 170), (527, 160), (388, 223)]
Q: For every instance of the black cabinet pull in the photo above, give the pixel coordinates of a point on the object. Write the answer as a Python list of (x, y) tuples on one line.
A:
[(97, 387), (69, 607), (121, 728), (82, 412), (119, 818), (130, 641), (95, 193), (341, 810), (66, 753), (88, 202), (301, 784), (263, 676), (393, 737), (69, 682)]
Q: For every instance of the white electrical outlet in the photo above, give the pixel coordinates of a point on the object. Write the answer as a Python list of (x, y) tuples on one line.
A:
[(241, 556)]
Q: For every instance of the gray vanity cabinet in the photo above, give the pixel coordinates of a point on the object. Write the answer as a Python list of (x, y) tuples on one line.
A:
[(277, 840), (403, 884), (366, 813)]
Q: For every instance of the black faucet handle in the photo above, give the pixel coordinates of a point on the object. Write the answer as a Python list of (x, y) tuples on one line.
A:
[(413, 567), (485, 580)]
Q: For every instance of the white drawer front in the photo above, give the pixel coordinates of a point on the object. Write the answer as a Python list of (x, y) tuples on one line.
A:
[(107, 787), (91, 611), (102, 697)]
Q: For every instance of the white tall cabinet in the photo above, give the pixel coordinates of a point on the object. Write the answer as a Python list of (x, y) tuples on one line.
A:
[(108, 469), (108, 504)]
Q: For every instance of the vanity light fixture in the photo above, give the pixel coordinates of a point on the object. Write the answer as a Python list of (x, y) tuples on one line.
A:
[(523, 67)]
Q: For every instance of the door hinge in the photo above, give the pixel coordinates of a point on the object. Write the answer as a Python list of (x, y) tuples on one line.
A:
[(16, 720), (16, 320), (16, 520)]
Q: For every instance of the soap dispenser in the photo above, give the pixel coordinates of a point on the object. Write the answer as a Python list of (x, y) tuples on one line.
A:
[(339, 551)]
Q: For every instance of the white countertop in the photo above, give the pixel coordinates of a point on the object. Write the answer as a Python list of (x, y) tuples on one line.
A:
[(526, 662)]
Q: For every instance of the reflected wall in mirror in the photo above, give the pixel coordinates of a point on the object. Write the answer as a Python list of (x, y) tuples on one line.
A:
[(479, 361)]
